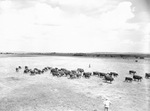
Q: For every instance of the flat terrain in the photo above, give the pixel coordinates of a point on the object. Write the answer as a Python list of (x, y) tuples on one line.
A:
[(22, 92)]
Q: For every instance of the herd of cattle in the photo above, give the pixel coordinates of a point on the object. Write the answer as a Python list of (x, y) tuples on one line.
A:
[(79, 72)]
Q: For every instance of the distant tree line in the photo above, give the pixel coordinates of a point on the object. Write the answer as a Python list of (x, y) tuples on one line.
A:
[(124, 56)]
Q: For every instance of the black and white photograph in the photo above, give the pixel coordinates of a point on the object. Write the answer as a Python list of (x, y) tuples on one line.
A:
[(74, 55)]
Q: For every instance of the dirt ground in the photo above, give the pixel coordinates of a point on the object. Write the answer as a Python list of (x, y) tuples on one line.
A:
[(44, 92)]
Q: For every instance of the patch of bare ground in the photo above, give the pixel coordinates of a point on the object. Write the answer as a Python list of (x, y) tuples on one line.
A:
[(47, 93), (44, 94)]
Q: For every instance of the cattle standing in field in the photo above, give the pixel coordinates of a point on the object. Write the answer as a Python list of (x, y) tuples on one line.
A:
[(73, 71), (32, 73), (96, 73), (110, 74), (132, 72), (102, 75), (78, 75), (137, 77), (128, 79), (26, 67), (108, 78), (99, 74), (72, 76), (80, 70), (61, 73), (67, 72), (114, 74), (54, 72), (147, 75), (87, 74), (18, 68), (25, 71), (63, 69)]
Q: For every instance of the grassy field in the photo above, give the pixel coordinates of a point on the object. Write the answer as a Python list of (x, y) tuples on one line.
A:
[(22, 92)]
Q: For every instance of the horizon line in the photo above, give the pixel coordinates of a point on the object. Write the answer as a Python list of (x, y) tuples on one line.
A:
[(77, 52)]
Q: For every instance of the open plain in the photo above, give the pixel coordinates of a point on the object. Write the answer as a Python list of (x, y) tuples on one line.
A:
[(22, 92)]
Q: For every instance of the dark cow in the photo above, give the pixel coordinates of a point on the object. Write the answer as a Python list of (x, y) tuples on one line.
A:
[(18, 68), (114, 74), (128, 79), (108, 78), (110, 74), (26, 67), (87, 74), (67, 72), (147, 75), (63, 69), (61, 73), (102, 74), (78, 75), (32, 73), (54, 72), (137, 77), (73, 74), (80, 70), (27, 70), (96, 73), (132, 72), (73, 71)]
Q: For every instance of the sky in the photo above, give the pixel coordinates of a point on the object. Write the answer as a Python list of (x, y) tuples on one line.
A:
[(75, 26)]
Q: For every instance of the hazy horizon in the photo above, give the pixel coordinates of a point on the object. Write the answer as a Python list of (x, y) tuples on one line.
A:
[(23, 52), (67, 26)]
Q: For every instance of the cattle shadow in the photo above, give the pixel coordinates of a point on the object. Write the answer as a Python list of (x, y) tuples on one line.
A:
[(108, 82)]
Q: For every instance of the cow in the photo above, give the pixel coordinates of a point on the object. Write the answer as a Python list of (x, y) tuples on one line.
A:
[(32, 73), (18, 68), (96, 73), (132, 72), (67, 72), (26, 67), (27, 71), (147, 75), (137, 77), (102, 75), (61, 73), (54, 72), (128, 79), (114, 74), (87, 74), (108, 78), (73, 71), (80, 70), (78, 75), (72, 76), (63, 69)]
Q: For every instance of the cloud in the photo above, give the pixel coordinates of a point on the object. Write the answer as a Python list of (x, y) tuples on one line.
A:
[(69, 26), (110, 20), (82, 6)]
